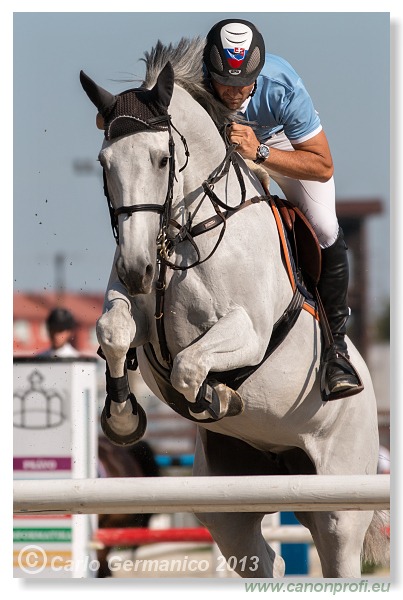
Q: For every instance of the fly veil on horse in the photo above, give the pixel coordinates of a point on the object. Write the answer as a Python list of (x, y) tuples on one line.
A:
[(199, 286)]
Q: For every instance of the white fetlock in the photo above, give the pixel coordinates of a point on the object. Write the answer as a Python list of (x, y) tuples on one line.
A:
[(200, 416)]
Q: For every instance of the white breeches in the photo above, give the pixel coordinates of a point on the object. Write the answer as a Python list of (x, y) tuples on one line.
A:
[(315, 199)]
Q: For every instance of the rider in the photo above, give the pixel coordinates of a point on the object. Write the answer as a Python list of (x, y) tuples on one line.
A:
[(287, 139), (60, 325)]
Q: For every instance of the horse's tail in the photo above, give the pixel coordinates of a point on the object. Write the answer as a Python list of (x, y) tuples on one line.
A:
[(376, 543)]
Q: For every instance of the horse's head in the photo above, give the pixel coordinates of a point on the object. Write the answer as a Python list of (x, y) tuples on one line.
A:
[(138, 158)]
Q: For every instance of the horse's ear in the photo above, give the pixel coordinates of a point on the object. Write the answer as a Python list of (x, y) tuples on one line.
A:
[(164, 87), (103, 100)]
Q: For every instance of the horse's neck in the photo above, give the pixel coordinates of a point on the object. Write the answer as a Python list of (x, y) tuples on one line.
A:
[(207, 148), (207, 151), (234, 187)]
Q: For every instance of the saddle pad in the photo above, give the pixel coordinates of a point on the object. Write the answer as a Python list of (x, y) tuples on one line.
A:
[(310, 255)]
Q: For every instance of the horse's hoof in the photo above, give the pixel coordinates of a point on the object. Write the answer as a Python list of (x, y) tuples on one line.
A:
[(221, 401), (124, 440)]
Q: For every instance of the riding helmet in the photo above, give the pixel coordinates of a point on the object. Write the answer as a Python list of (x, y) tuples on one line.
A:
[(234, 53), (60, 319)]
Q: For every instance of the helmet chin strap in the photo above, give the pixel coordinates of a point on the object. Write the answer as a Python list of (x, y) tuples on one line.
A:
[(254, 90)]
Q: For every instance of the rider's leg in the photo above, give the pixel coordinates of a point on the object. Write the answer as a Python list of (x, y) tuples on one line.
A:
[(317, 201), (333, 285)]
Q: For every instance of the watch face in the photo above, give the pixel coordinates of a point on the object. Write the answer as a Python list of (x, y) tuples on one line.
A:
[(263, 151)]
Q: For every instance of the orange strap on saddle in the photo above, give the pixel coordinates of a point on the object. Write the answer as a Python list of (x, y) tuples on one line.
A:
[(307, 252)]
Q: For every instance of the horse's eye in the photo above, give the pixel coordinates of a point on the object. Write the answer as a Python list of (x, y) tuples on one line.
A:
[(164, 161)]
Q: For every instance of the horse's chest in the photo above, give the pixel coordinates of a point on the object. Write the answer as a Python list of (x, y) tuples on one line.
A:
[(191, 310)]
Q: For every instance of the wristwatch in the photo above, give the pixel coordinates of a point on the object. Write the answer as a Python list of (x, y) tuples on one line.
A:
[(262, 152)]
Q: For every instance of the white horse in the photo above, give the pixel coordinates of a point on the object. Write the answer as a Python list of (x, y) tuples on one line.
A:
[(214, 311)]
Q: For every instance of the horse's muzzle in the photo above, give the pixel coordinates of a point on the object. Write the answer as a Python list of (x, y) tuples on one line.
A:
[(136, 281)]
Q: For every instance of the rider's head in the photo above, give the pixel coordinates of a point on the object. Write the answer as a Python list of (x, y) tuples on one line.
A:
[(60, 319), (60, 325), (233, 58)]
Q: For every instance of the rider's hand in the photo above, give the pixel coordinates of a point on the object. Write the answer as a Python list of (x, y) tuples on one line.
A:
[(244, 136)]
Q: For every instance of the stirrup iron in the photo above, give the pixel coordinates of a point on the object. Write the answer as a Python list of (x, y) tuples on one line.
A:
[(331, 359)]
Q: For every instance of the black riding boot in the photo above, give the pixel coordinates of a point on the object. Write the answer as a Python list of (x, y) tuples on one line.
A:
[(339, 378)]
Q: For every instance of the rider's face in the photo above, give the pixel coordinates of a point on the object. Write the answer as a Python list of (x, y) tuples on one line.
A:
[(233, 97)]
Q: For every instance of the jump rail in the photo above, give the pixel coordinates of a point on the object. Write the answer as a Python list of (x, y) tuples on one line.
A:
[(122, 495)]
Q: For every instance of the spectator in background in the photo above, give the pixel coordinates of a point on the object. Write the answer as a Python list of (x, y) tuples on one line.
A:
[(60, 325)]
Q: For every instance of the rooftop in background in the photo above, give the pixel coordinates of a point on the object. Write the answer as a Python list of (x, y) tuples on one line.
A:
[(357, 207), (32, 308)]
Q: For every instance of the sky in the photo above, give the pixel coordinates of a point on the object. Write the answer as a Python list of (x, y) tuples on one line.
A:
[(59, 210)]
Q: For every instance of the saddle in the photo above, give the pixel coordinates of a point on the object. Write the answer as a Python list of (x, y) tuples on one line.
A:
[(303, 243)]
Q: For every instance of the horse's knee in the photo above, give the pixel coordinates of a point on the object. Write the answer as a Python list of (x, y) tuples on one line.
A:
[(206, 519), (188, 372), (115, 332), (102, 557)]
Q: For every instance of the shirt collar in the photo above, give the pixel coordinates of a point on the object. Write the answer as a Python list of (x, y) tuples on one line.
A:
[(245, 105)]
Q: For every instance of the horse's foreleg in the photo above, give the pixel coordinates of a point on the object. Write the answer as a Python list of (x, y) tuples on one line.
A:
[(115, 332), (230, 343), (123, 420)]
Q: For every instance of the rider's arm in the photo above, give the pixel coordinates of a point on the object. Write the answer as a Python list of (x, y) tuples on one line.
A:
[(310, 160), (282, 99)]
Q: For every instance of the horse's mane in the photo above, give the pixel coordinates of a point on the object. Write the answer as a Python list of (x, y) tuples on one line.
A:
[(186, 59)]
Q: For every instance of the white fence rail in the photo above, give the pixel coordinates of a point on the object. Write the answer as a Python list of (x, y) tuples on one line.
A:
[(202, 494)]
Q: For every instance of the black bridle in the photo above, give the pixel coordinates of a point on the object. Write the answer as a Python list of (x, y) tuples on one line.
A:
[(163, 209), (166, 243)]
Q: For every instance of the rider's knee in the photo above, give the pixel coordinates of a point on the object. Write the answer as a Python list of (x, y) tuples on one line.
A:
[(327, 232)]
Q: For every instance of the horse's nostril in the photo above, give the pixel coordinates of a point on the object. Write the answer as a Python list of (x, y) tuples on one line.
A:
[(149, 270)]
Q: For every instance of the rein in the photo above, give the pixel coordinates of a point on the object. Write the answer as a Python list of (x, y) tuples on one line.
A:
[(166, 244)]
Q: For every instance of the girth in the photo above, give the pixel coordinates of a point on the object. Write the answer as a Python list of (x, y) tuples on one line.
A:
[(236, 377)]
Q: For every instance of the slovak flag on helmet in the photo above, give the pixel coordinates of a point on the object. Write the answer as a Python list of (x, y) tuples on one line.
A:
[(235, 57), (236, 39)]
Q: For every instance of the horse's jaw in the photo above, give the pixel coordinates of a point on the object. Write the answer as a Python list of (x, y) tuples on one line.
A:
[(133, 292), (134, 289)]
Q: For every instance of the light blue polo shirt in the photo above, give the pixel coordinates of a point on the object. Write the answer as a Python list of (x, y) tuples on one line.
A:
[(281, 101)]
